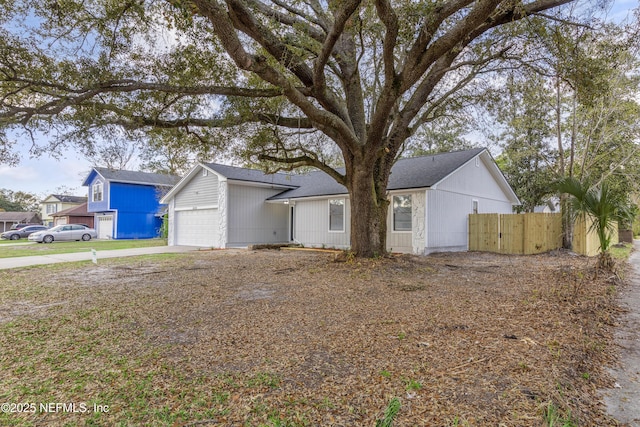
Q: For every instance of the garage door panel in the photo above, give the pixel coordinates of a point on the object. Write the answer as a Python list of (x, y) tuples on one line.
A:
[(197, 228), (105, 227)]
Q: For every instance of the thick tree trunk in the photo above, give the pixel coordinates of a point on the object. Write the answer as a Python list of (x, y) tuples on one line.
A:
[(368, 214)]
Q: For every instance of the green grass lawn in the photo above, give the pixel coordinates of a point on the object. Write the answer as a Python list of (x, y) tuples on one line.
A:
[(9, 251), (622, 251)]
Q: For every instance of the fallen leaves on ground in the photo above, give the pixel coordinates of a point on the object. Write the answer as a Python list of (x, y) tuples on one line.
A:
[(291, 338)]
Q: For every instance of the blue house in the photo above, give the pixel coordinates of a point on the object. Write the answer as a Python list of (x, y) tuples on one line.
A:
[(126, 203)]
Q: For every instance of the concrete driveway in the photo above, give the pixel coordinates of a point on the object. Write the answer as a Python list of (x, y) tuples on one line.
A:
[(17, 262), (623, 401)]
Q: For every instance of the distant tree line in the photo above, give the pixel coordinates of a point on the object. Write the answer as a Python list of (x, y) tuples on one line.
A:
[(18, 201)]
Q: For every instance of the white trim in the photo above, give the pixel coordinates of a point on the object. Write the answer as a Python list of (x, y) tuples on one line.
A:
[(469, 194), (180, 184), (260, 184), (221, 178), (407, 190), (196, 208), (393, 223), (346, 195), (114, 222), (344, 214), (425, 219), (493, 169), (291, 210), (95, 184), (323, 197), (223, 213)]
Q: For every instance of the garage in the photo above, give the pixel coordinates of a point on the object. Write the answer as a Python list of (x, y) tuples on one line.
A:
[(105, 227), (197, 227)]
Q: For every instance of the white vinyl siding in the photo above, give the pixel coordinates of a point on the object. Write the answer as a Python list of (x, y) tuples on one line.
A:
[(473, 180), (312, 224), (450, 203), (252, 220), (197, 228), (448, 218), (201, 191)]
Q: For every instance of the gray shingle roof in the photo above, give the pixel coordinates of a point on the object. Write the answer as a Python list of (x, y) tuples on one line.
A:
[(415, 172), (254, 175), (19, 217), (138, 177)]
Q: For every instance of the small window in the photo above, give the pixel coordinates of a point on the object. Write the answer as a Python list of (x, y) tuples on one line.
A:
[(474, 206), (205, 172), (52, 208), (402, 213), (336, 215), (97, 192)]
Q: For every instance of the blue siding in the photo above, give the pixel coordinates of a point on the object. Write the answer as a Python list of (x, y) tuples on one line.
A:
[(97, 206), (136, 205)]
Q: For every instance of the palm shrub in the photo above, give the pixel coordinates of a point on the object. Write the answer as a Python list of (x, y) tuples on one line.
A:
[(601, 204)]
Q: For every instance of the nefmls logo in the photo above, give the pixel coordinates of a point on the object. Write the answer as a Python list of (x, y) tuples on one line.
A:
[(63, 407)]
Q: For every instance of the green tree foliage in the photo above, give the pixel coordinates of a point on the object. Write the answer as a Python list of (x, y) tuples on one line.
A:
[(571, 111), (523, 109), (602, 205), (18, 201), (360, 76)]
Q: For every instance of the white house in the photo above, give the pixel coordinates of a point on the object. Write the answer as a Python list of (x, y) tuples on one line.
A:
[(431, 197)]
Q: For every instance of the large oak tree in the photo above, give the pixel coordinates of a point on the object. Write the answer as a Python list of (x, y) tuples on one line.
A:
[(286, 76)]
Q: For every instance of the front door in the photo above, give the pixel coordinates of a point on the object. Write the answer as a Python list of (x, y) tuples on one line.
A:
[(291, 223)]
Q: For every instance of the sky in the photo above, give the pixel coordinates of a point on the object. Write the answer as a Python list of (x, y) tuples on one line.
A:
[(45, 175)]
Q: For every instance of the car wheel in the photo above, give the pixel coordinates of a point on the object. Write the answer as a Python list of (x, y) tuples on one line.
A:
[(86, 237), (47, 239), (14, 237)]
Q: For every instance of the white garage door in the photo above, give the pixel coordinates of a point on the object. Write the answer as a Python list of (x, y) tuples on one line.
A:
[(105, 227), (197, 228)]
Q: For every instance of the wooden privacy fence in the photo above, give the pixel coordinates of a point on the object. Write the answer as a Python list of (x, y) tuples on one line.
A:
[(585, 240), (529, 233)]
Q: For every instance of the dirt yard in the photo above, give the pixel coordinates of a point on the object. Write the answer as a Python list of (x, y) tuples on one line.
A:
[(284, 338)]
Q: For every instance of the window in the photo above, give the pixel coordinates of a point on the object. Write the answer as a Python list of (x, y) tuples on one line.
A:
[(97, 192), (402, 213), (205, 172), (52, 208), (336, 215), (474, 206)]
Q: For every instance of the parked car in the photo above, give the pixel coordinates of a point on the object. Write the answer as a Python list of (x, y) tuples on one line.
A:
[(21, 225), (64, 232), (22, 232)]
